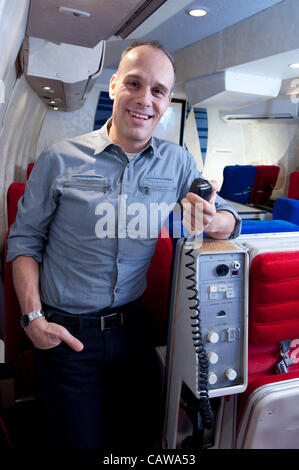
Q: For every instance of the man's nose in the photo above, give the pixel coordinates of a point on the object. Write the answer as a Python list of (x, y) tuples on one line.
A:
[(145, 96)]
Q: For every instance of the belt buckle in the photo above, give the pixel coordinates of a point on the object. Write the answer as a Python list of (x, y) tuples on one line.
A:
[(115, 319)]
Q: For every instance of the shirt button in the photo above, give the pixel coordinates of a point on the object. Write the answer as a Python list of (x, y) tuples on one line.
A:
[(125, 196), (120, 260), (116, 290)]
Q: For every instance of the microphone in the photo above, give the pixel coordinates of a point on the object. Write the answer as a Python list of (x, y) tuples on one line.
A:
[(202, 188)]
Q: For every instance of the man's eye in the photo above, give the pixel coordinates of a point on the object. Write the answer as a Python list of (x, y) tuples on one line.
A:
[(132, 84), (159, 92)]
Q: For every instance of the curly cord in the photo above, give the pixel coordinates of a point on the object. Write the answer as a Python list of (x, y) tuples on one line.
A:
[(204, 402)]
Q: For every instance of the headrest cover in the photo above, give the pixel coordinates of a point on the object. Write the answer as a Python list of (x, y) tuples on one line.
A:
[(274, 297)]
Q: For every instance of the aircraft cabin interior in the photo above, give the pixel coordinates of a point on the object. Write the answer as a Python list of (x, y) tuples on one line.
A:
[(224, 312)]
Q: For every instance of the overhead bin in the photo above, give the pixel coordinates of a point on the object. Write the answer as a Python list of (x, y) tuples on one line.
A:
[(89, 22), (61, 74), (63, 51), (230, 90), (281, 109)]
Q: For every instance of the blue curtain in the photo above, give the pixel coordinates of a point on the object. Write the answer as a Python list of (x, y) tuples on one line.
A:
[(201, 119), (104, 110)]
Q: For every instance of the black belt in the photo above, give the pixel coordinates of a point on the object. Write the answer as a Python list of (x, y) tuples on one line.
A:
[(103, 320)]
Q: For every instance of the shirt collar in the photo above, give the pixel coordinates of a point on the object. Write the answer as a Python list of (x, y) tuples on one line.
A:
[(101, 141)]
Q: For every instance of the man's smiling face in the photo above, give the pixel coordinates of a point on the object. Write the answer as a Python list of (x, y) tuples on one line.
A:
[(141, 92)]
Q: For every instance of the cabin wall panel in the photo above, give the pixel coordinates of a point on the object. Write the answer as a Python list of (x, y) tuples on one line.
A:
[(269, 32), (18, 141), (21, 111), (254, 144), (59, 125), (13, 19)]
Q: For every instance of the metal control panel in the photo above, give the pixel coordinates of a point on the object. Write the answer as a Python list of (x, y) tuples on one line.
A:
[(222, 298), (208, 325)]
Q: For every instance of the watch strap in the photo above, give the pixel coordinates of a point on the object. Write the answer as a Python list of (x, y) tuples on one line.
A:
[(29, 317)]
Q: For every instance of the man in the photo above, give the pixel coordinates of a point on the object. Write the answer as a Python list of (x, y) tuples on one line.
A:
[(82, 280)]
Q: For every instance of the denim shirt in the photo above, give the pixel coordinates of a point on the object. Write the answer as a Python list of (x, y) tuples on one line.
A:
[(91, 218)]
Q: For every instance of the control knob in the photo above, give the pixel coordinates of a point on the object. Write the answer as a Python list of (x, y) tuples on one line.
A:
[(213, 357), (212, 337), (222, 269), (231, 374), (212, 378)]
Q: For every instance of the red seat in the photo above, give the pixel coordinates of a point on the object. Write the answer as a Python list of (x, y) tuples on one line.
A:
[(273, 317), (265, 180), (15, 191), (293, 192), (156, 295), (29, 169)]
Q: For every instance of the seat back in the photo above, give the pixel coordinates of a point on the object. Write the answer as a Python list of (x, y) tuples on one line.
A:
[(286, 209), (156, 296), (273, 317), (29, 169), (293, 191), (237, 182), (265, 180)]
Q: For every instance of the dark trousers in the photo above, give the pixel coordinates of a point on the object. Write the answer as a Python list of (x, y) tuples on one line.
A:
[(108, 395)]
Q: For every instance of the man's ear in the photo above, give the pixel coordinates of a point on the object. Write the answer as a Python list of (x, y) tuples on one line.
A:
[(112, 86)]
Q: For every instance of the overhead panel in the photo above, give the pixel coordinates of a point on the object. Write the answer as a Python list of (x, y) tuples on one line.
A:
[(79, 22)]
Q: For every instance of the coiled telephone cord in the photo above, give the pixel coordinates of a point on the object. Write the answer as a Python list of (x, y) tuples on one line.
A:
[(204, 402)]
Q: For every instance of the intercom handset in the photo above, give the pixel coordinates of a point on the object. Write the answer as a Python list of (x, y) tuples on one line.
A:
[(202, 188)]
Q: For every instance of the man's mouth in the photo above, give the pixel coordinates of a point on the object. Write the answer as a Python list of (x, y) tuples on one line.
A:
[(145, 117)]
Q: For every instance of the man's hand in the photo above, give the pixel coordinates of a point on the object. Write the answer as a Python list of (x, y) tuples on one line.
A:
[(198, 213), (201, 216), (47, 335)]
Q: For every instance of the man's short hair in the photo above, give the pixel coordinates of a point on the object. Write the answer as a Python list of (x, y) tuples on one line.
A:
[(154, 44)]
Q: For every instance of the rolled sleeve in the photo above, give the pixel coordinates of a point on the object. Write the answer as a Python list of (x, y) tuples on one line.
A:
[(35, 211), (222, 205)]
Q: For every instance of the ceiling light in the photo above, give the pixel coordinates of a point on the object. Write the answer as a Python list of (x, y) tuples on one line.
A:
[(294, 66), (197, 12), (74, 12), (48, 89)]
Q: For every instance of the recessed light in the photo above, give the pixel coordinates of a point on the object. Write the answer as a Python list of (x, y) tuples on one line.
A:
[(294, 66), (74, 12), (48, 89), (197, 12)]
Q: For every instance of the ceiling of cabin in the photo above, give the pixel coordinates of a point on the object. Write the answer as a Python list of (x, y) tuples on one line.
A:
[(168, 23), (175, 29)]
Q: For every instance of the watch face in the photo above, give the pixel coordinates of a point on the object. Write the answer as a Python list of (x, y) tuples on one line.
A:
[(25, 320)]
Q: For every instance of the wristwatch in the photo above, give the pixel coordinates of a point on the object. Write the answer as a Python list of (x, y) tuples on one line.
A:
[(29, 317)]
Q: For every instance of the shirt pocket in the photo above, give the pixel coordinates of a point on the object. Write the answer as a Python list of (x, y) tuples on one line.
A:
[(151, 185), (88, 182)]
